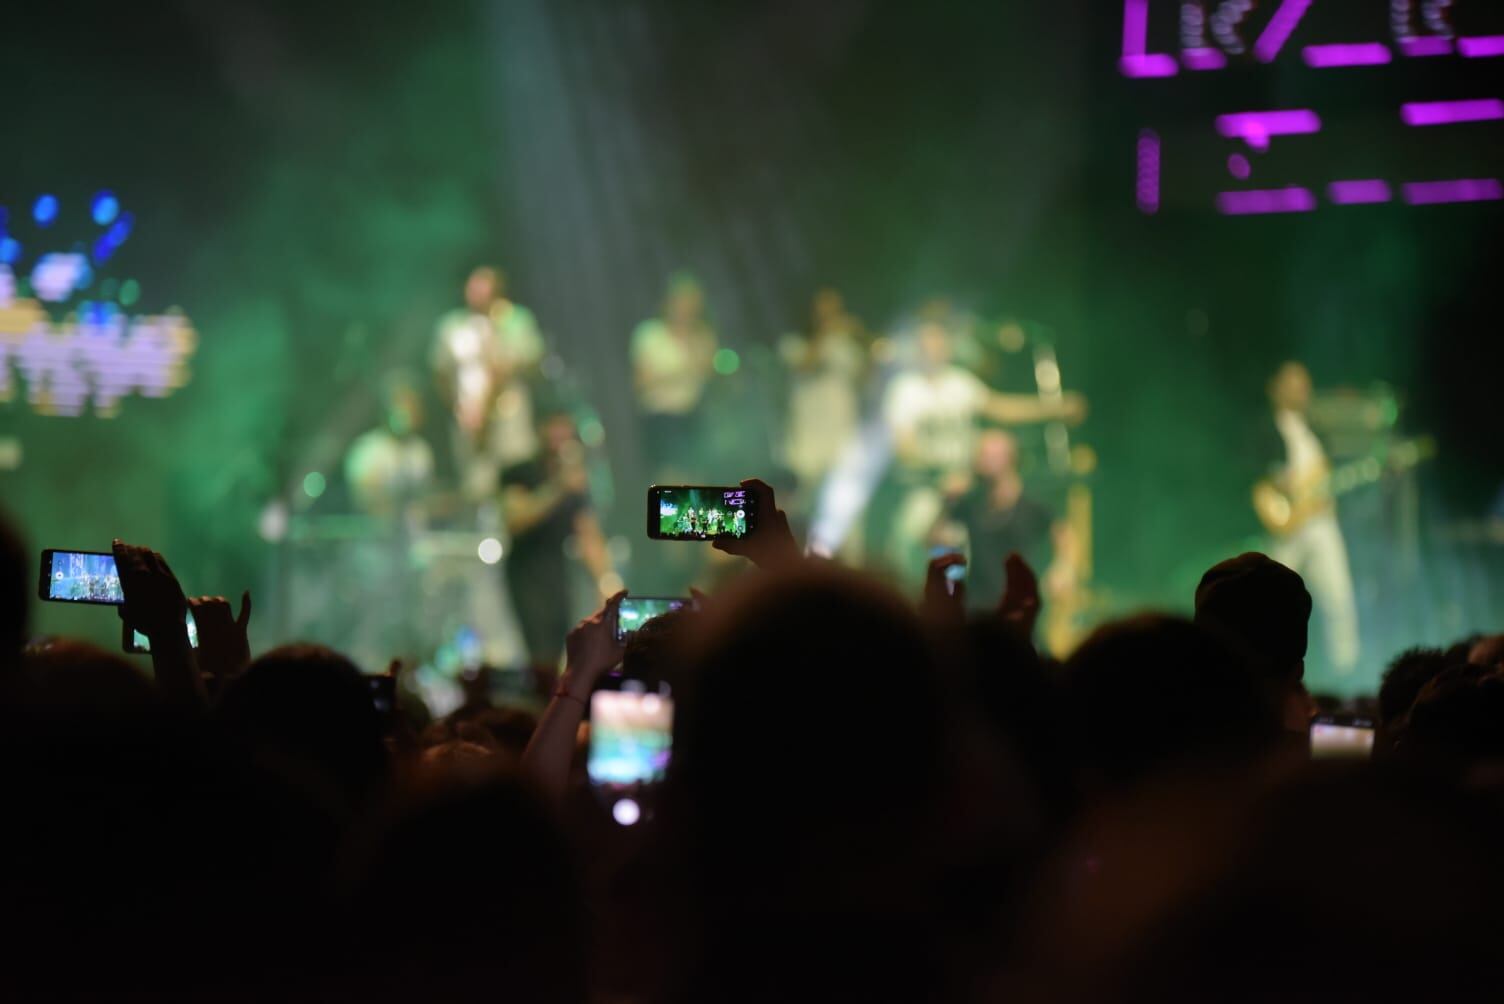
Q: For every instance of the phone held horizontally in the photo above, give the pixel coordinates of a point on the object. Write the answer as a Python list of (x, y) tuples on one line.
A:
[(79, 577), (635, 611), (700, 512)]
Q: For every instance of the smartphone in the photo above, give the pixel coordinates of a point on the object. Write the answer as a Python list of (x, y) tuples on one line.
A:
[(954, 573), (697, 512), (135, 642), (79, 577), (631, 736), (635, 611), (1335, 737)]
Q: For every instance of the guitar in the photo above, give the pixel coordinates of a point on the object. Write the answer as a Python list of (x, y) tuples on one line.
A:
[(1285, 510)]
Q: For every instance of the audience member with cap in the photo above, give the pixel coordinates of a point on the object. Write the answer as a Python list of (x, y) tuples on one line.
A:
[(1262, 609)]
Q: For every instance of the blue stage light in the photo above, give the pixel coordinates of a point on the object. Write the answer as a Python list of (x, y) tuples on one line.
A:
[(105, 207), (45, 210), (103, 248), (10, 250), (120, 230)]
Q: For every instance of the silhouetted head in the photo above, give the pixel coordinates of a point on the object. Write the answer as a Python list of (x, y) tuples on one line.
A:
[(1155, 693), (1344, 884), (1457, 720), (481, 888), (16, 578), (809, 761), (1407, 674), (307, 711), (1263, 608), (84, 683)]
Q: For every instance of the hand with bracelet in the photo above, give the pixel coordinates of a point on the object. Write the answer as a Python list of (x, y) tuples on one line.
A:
[(591, 650)]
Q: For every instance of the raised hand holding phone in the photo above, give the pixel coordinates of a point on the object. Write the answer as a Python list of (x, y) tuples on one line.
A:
[(155, 605), (770, 544), (154, 601), (944, 590), (591, 650)]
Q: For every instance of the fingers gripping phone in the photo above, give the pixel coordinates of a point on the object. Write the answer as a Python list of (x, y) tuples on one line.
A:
[(635, 611), (79, 577), (699, 512)]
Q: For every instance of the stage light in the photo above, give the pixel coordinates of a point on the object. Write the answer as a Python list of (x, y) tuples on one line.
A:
[(44, 211), (271, 524), (489, 550), (626, 812), (130, 292), (10, 250), (314, 484), (726, 362), (120, 229), (105, 208)]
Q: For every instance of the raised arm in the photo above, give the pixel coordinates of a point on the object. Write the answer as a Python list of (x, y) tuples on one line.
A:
[(1020, 409), (590, 652), (155, 606)]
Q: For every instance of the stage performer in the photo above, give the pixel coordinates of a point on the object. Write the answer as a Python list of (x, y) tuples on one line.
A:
[(484, 355), (932, 413), (1301, 512)]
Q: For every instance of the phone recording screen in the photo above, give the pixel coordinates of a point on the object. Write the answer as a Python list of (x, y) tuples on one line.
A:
[(80, 577), (631, 734), (1340, 740), (687, 513), (635, 611)]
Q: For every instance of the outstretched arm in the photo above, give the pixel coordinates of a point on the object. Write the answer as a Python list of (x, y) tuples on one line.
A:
[(1019, 409), (591, 650)]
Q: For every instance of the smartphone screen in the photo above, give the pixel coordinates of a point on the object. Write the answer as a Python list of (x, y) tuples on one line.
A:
[(138, 643), (79, 577), (686, 512), (635, 611), (1334, 737), (631, 733)]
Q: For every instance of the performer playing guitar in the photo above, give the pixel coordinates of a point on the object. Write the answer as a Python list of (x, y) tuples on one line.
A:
[(1299, 507)]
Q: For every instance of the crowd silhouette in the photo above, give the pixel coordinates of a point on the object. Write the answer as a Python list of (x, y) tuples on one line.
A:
[(871, 797)]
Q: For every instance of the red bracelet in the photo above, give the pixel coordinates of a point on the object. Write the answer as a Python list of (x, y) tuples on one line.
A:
[(561, 692)]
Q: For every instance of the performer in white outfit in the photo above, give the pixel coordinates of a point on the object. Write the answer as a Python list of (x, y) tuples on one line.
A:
[(1313, 544), (482, 356)]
